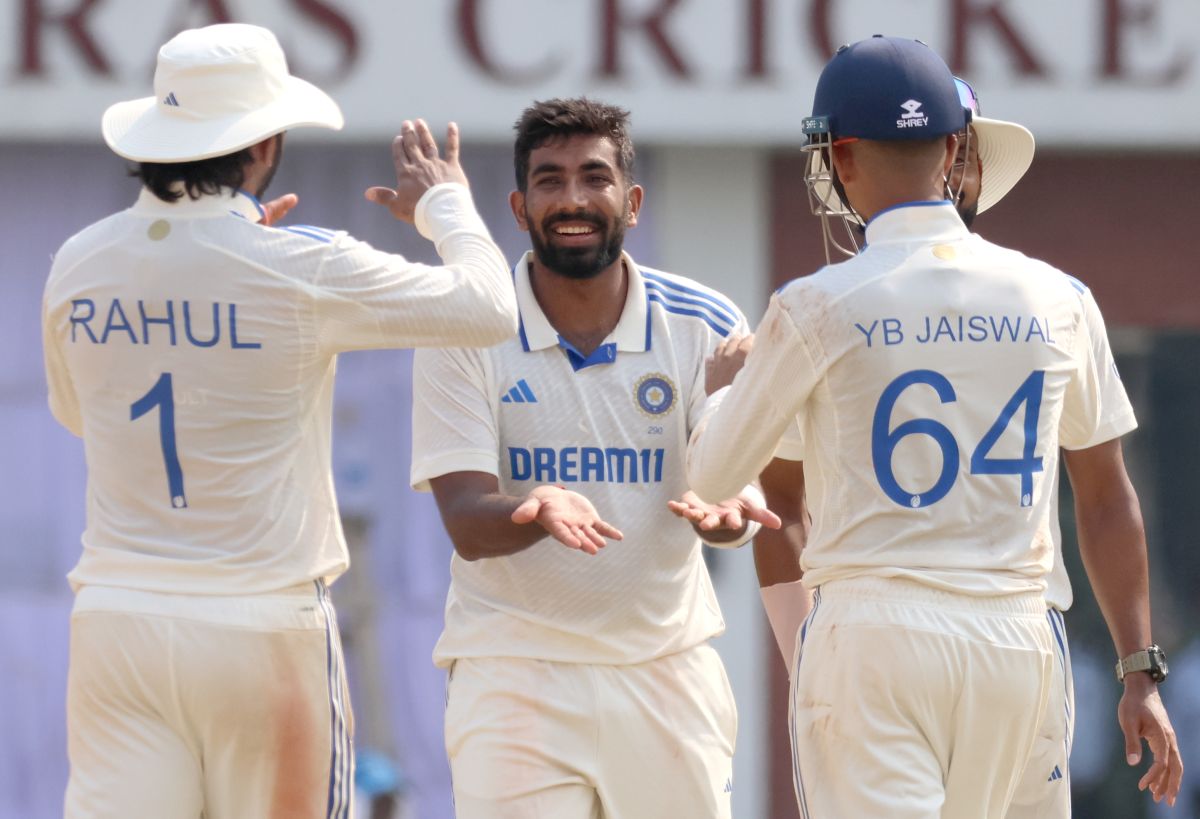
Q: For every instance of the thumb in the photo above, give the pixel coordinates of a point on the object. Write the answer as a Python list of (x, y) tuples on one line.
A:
[(276, 209), (764, 516), (380, 195), (1133, 746), (527, 511)]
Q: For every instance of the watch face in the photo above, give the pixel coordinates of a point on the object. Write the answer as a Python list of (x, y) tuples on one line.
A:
[(1158, 664)]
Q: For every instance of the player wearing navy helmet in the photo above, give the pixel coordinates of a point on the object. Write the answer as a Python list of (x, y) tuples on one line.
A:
[(933, 377)]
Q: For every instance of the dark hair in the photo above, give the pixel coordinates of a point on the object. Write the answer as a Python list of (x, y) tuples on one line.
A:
[(204, 176), (561, 118)]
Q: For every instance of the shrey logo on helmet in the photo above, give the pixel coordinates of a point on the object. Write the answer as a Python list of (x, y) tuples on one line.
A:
[(912, 117)]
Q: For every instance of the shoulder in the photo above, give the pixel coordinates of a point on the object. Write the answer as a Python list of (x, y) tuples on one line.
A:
[(302, 251), (679, 297), (314, 234), (1040, 273), (87, 241)]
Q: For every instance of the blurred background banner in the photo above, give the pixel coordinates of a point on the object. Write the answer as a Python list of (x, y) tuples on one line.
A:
[(1110, 88), (697, 71)]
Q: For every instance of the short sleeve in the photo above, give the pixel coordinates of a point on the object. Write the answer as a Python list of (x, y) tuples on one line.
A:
[(1096, 408), (454, 425), (64, 404)]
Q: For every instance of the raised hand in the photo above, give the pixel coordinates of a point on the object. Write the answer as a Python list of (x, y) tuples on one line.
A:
[(568, 517), (731, 514), (418, 168), (726, 360)]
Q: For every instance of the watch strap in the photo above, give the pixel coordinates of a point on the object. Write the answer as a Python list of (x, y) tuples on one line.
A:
[(1137, 661)]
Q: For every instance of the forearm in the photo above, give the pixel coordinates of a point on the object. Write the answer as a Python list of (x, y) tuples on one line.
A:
[(446, 215), (1112, 542), (777, 551), (787, 606), (482, 527), (724, 453)]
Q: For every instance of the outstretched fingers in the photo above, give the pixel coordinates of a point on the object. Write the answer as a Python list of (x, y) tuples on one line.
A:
[(569, 536), (608, 530), (452, 143), (425, 140), (410, 142)]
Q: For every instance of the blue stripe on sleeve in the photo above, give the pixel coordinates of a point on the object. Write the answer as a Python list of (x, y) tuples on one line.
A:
[(721, 307), (707, 318)]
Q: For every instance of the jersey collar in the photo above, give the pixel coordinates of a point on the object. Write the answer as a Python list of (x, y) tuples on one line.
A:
[(239, 203), (632, 333), (916, 221)]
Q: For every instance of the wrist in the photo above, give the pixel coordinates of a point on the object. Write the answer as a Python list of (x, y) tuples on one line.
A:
[(1139, 681), (1150, 662)]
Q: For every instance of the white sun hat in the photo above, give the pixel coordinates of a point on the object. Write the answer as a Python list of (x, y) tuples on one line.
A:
[(1005, 150), (217, 89)]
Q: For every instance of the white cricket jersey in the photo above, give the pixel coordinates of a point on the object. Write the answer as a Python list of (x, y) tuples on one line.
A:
[(194, 351), (612, 426), (935, 376)]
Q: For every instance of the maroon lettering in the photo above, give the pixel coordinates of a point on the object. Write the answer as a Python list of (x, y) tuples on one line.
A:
[(211, 13), (34, 20), (614, 22), (1118, 15), (756, 40), (818, 29), (214, 11), (336, 23), (967, 15), (469, 37)]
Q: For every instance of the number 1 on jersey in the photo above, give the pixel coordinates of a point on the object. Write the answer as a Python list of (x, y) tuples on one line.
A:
[(162, 395)]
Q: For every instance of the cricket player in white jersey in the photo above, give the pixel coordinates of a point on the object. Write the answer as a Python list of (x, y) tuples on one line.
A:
[(581, 681), (192, 346), (934, 377), (1008, 149)]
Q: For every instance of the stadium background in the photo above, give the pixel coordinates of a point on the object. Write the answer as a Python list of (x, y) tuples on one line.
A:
[(717, 88)]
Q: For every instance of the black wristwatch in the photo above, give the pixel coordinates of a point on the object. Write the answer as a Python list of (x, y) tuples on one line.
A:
[(1151, 659)]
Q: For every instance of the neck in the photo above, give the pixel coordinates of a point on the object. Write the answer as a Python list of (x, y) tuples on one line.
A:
[(583, 311), (898, 196)]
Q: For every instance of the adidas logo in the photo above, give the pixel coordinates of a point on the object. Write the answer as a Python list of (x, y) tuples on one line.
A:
[(1055, 774), (728, 786), (912, 117), (169, 99), (520, 394)]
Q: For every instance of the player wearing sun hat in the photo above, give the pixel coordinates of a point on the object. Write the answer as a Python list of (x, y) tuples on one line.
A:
[(1004, 148), (193, 348)]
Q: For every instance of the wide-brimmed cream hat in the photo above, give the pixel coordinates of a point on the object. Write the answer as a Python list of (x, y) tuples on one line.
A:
[(217, 89), (1006, 152), (1005, 149)]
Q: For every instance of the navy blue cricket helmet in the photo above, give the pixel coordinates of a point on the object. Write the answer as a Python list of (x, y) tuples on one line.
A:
[(886, 88)]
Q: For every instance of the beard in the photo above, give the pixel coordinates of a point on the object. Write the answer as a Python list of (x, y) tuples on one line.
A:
[(579, 262), (262, 188), (968, 213)]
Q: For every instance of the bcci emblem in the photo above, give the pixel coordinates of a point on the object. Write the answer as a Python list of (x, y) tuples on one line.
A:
[(654, 394)]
